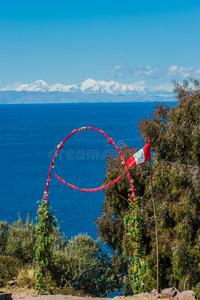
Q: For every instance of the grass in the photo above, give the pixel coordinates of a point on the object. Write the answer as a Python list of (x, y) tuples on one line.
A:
[(16, 290), (26, 277)]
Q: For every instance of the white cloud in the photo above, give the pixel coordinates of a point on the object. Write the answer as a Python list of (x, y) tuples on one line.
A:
[(156, 72), (118, 71), (166, 86), (151, 72), (173, 69), (121, 71), (183, 72)]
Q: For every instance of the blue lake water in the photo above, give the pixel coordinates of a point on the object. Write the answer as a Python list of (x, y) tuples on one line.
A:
[(29, 135)]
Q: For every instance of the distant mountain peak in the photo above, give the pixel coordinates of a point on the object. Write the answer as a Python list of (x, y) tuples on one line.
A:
[(89, 86)]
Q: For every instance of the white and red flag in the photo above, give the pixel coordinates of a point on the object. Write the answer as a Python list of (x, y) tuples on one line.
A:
[(139, 157)]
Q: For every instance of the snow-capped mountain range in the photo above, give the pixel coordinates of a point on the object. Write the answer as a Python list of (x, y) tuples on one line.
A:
[(88, 91), (89, 86)]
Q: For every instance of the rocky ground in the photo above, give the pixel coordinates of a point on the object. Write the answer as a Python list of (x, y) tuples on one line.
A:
[(27, 296), (169, 293)]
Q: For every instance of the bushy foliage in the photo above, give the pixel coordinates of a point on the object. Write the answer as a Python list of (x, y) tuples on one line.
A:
[(175, 141), (20, 240), (76, 266), (175, 137), (197, 291), (174, 133), (9, 268), (59, 240), (81, 265), (4, 229)]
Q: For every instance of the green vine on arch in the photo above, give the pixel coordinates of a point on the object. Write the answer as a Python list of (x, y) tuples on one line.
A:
[(135, 252), (42, 246)]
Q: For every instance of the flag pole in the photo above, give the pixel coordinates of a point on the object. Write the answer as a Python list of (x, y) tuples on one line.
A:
[(156, 226)]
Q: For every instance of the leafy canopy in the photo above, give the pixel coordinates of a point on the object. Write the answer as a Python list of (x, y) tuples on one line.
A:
[(175, 142)]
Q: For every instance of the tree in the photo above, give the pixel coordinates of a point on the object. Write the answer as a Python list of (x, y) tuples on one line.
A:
[(175, 137), (175, 141)]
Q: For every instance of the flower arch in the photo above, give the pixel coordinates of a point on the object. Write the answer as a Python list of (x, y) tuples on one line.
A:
[(47, 220), (110, 141)]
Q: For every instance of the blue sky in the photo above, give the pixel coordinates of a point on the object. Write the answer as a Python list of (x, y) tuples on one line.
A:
[(144, 42)]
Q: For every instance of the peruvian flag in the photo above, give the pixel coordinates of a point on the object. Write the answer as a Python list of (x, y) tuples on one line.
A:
[(140, 156)]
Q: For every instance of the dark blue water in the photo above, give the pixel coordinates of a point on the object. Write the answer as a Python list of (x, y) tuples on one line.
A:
[(29, 135)]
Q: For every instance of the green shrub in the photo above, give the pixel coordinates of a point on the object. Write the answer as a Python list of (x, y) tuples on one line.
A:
[(68, 290), (26, 277), (197, 291), (51, 286), (9, 268), (59, 240), (4, 229), (20, 241), (83, 266)]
